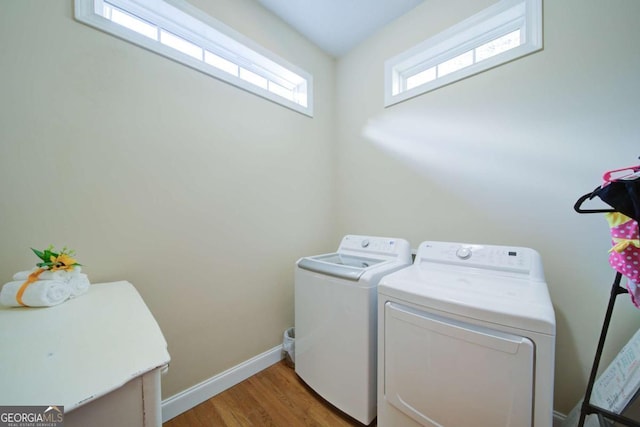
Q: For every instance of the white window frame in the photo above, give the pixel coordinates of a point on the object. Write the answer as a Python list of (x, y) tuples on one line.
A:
[(490, 24), (196, 27)]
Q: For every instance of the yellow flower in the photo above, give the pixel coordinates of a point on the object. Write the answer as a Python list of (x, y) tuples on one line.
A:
[(62, 262)]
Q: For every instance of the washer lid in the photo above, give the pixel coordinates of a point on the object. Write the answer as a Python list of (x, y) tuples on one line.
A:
[(340, 265), (514, 302)]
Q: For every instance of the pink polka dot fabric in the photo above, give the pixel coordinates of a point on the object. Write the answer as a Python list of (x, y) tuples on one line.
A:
[(624, 257)]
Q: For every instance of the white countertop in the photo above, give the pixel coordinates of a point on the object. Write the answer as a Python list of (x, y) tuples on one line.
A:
[(80, 350)]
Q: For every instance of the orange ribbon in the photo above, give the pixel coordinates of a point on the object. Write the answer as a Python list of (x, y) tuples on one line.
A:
[(32, 278)]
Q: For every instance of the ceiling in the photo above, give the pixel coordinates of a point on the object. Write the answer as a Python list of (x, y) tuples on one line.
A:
[(336, 26)]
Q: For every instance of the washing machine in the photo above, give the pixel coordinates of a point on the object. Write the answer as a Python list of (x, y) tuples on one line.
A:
[(336, 320), (466, 339)]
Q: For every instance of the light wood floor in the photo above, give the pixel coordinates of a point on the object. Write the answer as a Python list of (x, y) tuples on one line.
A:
[(274, 397)]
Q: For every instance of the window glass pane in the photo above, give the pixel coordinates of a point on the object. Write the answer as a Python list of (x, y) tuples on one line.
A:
[(281, 91), (421, 78), (131, 22), (106, 11), (191, 33), (504, 31), (221, 63), (253, 78), (499, 45), (455, 64), (300, 97), (180, 44)]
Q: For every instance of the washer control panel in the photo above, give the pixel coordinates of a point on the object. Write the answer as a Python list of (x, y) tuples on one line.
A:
[(488, 257), (370, 244), (464, 252)]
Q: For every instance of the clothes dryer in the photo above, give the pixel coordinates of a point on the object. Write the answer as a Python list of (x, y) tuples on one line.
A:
[(336, 320), (466, 338)]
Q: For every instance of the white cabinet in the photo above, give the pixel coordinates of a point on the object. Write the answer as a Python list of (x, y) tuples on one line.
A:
[(99, 355)]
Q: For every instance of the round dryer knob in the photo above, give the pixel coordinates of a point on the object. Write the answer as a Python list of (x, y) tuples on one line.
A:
[(365, 243), (463, 253)]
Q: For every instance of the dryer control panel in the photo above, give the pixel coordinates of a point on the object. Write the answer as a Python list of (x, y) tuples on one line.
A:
[(512, 259)]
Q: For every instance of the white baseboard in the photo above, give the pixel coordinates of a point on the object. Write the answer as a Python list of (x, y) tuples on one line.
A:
[(558, 418), (193, 396)]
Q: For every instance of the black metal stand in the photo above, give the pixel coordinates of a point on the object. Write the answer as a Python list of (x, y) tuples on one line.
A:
[(587, 408)]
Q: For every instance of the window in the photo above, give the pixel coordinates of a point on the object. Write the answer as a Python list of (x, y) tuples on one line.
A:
[(179, 31), (501, 33)]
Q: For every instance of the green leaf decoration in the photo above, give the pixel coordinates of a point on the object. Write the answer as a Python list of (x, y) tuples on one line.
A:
[(47, 255), (38, 254)]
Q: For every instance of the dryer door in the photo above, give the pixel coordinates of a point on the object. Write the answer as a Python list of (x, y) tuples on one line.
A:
[(445, 373)]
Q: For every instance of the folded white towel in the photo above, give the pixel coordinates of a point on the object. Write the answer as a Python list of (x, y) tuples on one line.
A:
[(45, 275), (49, 275), (41, 293), (78, 284)]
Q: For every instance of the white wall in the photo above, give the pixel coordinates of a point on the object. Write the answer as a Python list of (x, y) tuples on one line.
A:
[(501, 157), (203, 196), (200, 194)]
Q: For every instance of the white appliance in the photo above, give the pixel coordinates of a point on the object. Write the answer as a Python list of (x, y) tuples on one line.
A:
[(336, 322), (466, 338)]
